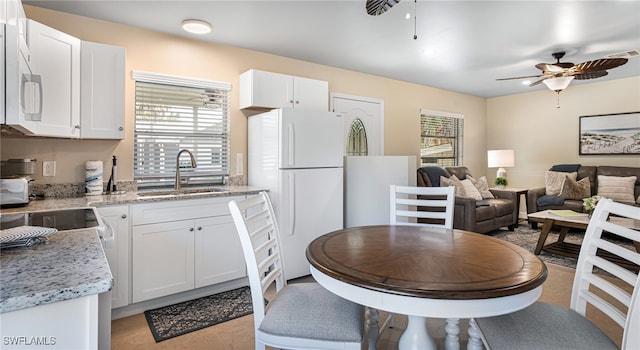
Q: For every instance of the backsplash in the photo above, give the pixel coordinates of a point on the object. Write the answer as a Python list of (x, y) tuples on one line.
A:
[(76, 190)]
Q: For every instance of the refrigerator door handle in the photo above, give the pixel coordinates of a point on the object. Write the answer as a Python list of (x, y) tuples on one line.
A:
[(292, 204), (292, 143)]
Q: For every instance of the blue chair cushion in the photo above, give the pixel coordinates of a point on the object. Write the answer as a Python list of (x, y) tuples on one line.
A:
[(549, 200), (308, 310), (543, 326)]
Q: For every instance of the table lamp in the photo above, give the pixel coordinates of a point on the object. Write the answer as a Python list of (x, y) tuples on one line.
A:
[(501, 159)]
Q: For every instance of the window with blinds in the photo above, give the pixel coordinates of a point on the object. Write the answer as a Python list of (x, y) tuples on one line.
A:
[(441, 138), (175, 113)]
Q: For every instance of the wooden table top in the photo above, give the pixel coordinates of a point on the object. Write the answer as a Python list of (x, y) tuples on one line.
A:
[(427, 263)]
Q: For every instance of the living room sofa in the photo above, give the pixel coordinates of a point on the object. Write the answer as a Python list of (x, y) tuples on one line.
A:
[(538, 198), (473, 214)]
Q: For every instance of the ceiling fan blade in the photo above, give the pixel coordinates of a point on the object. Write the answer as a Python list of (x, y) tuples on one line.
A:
[(538, 82), (599, 65), (378, 7), (523, 77), (590, 75)]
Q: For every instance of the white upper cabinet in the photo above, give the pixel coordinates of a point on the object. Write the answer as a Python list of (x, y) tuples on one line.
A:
[(267, 90), (102, 91), (55, 57)]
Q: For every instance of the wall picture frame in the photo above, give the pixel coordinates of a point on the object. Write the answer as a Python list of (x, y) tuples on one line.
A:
[(609, 134)]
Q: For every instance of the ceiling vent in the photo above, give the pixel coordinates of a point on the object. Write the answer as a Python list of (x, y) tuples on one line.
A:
[(625, 54)]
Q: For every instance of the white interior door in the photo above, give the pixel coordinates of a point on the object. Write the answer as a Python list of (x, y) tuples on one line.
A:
[(370, 111)]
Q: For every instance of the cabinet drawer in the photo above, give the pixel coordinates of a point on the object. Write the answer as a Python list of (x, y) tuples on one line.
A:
[(151, 213)]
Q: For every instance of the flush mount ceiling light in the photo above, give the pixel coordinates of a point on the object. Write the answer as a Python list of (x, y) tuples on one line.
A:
[(196, 26)]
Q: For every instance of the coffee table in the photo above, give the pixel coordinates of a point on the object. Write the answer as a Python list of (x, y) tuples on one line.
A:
[(579, 221)]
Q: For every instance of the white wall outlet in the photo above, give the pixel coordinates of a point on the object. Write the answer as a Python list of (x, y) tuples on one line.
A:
[(49, 168), (239, 164)]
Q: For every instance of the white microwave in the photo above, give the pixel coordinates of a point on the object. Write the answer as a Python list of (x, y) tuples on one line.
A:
[(23, 89)]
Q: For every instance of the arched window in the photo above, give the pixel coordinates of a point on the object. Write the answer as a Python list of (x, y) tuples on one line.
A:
[(357, 141)]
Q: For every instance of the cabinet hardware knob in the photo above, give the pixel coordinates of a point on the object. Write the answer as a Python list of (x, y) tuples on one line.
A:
[(120, 128), (191, 229), (124, 216), (297, 102), (199, 228), (77, 126)]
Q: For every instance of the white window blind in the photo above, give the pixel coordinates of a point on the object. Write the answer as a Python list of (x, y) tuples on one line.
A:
[(441, 138), (174, 113)]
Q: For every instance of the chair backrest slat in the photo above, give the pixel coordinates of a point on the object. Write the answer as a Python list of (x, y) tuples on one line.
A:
[(604, 292), (258, 231), (410, 204)]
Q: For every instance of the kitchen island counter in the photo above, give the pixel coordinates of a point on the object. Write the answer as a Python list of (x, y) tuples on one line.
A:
[(71, 264)]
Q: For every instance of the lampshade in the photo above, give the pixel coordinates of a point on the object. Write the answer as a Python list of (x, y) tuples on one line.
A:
[(502, 158), (196, 26), (558, 84)]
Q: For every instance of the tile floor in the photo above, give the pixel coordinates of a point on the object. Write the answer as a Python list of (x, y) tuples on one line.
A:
[(133, 333)]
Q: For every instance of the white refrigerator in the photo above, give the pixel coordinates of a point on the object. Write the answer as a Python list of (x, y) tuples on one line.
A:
[(298, 156)]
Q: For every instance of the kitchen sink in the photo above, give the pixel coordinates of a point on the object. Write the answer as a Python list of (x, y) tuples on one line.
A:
[(182, 192)]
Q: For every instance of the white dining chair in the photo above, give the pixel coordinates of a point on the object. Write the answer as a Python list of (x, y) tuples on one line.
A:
[(301, 315), (408, 205), (545, 326), (411, 204)]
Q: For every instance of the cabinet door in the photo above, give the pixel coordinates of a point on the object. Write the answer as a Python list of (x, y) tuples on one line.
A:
[(162, 259), (55, 56), (102, 91), (116, 248), (218, 253), (265, 90), (310, 94)]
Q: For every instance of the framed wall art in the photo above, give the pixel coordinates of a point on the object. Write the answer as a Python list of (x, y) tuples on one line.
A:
[(617, 134)]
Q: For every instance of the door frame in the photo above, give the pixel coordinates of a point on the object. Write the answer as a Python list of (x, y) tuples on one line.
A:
[(379, 102)]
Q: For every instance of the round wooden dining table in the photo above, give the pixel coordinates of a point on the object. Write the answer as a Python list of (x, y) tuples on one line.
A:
[(427, 272)]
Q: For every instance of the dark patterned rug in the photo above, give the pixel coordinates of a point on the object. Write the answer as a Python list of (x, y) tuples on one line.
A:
[(528, 238), (189, 316)]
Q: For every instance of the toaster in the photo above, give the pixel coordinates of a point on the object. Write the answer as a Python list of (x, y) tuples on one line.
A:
[(15, 191)]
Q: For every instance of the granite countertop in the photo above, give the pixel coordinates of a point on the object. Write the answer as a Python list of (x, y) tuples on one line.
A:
[(123, 199), (71, 264)]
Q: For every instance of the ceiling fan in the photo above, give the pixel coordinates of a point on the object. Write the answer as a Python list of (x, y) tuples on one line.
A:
[(581, 71), (557, 76), (378, 7)]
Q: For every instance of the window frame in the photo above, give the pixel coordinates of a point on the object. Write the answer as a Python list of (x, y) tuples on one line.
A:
[(181, 129), (452, 157)]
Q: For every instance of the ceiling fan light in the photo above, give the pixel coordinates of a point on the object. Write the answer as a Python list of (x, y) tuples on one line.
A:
[(196, 26), (558, 84)]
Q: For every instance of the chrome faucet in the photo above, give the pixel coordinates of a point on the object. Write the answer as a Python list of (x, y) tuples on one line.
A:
[(193, 165)]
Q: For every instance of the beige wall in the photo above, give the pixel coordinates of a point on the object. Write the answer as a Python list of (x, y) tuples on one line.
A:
[(543, 135), (160, 53), (517, 121)]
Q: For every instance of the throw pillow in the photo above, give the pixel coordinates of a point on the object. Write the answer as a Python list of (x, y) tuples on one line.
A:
[(553, 181), (452, 181), (575, 190), (482, 185), (470, 190), (617, 188)]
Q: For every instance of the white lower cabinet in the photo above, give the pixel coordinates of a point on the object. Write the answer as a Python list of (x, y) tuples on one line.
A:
[(182, 245), (216, 262), (116, 248)]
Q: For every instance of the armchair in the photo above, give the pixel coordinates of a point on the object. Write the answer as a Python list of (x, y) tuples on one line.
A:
[(471, 214)]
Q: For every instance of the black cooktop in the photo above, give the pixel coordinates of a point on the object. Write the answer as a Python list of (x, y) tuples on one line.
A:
[(67, 219)]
